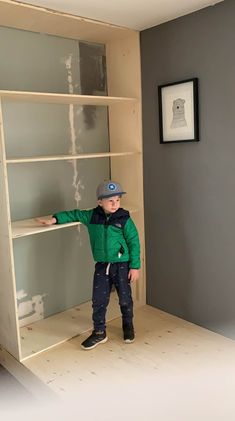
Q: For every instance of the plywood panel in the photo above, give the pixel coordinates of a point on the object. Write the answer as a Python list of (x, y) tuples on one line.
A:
[(123, 66), (51, 98), (37, 19), (67, 157), (61, 327), (175, 369), (125, 126), (9, 334)]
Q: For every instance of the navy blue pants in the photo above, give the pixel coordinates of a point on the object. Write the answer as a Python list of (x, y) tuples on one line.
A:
[(104, 278)]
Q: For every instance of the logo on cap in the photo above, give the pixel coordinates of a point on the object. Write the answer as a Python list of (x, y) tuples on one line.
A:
[(112, 186)]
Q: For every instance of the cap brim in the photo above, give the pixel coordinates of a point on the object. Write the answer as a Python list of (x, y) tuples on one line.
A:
[(111, 195)]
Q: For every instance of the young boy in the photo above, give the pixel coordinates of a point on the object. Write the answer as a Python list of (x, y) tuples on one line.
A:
[(116, 249)]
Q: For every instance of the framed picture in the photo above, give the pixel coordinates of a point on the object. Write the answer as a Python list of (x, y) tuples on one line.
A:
[(178, 111)]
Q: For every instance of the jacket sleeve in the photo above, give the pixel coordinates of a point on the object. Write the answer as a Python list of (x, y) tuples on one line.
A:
[(132, 239), (75, 215)]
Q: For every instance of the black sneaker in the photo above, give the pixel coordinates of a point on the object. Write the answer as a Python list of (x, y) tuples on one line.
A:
[(128, 334), (94, 339)]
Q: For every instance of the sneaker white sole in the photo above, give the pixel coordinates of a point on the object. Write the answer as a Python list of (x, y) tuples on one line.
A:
[(129, 341), (97, 343)]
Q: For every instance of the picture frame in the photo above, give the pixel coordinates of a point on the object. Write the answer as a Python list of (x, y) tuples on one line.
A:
[(178, 111)]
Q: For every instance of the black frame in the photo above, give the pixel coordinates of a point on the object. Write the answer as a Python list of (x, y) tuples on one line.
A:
[(175, 135)]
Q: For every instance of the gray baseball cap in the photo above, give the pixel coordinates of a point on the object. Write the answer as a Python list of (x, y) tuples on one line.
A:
[(108, 189)]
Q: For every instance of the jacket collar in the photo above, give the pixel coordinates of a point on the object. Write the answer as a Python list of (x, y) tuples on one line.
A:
[(118, 214)]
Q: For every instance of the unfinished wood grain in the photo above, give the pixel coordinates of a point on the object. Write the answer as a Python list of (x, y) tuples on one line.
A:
[(59, 328), (67, 157), (174, 370), (52, 98), (125, 127), (9, 331), (38, 19)]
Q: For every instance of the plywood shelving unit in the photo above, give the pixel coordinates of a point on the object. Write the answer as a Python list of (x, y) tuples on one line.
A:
[(124, 108)]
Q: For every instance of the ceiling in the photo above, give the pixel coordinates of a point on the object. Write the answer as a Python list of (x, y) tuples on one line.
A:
[(134, 14)]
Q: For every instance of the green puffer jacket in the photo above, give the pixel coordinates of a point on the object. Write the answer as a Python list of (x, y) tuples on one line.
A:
[(113, 238)]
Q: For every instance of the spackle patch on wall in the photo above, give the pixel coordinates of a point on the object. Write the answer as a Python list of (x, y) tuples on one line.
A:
[(73, 149), (30, 310)]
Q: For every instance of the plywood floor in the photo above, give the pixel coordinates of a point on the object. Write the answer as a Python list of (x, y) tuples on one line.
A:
[(175, 371), (54, 330)]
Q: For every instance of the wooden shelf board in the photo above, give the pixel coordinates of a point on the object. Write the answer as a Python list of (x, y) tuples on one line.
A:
[(46, 97), (27, 227), (68, 157), (40, 19)]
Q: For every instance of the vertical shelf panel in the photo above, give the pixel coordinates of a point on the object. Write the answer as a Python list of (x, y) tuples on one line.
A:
[(9, 331), (125, 127)]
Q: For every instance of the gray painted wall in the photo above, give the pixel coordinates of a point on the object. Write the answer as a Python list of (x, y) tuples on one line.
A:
[(54, 270), (190, 187)]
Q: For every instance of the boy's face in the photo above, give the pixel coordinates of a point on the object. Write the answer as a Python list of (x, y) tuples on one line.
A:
[(111, 204)]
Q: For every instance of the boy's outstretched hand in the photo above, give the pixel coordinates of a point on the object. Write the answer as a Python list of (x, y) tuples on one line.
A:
[(46, 221), (133, 275)]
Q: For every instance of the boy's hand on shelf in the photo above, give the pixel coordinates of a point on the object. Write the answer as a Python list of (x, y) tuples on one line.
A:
[(46, 221), (133, 275)]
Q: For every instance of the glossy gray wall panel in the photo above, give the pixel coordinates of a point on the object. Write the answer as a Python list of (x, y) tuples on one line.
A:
[(46, 187), (38, 62), (53, 270), (49, 129)]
